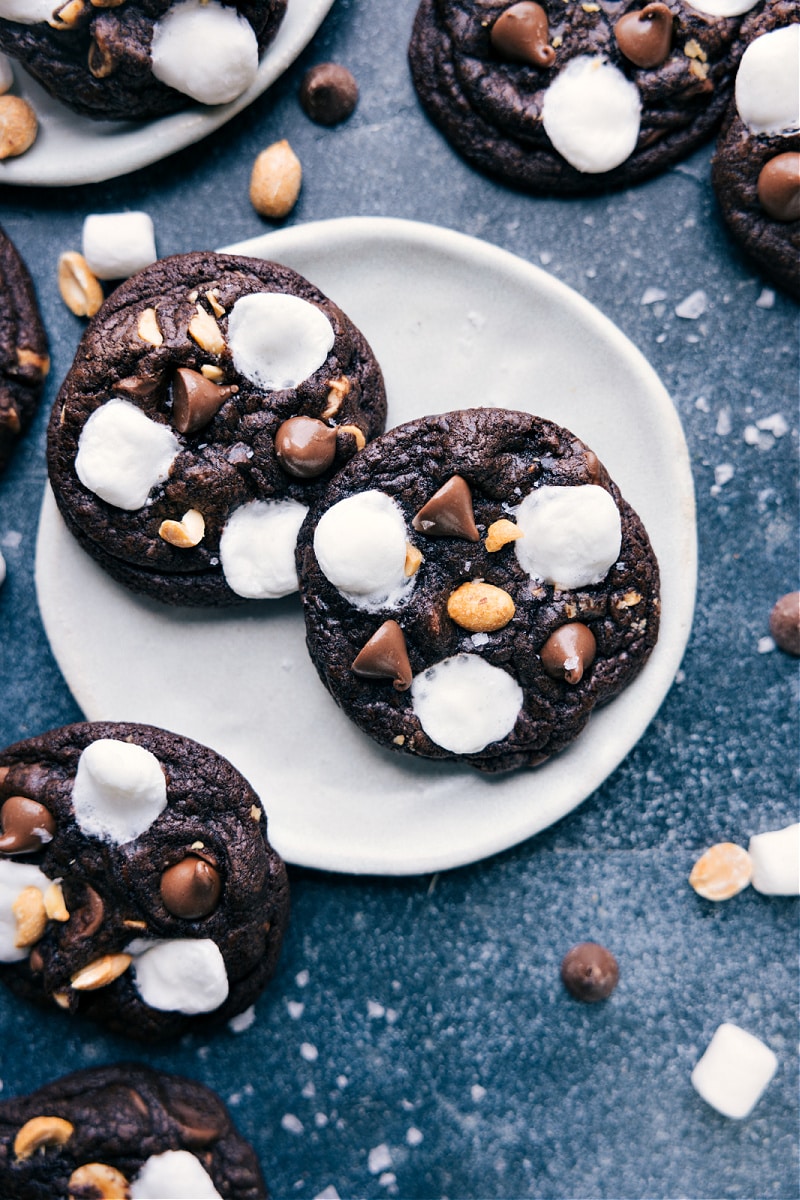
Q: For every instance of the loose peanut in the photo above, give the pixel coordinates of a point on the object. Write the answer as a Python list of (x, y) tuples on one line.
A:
[(723, 871), (275, 181), (80, 288), (18, 126)]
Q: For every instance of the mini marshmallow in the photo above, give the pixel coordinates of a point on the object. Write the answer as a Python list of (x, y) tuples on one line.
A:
[(572, 535), (722, 8), (278, 340), (205, 51), (27, 12), (185, 975), (173, 1175), (734, 1071), (122, 454), (257, 548), (591, 113), (14, 878), (360, 544), (776, 861), (464, 703), (119, 790), (768, 82), (117, 245)]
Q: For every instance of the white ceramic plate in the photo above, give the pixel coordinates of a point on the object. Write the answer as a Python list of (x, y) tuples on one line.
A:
[(71, 149), (454, 322)]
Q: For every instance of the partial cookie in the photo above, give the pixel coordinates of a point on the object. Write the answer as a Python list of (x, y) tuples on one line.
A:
[(24, 360), (137, 885), (473, 585), (124, 1130), (576, 98), (139, 59), (211, 399), (756, 166)]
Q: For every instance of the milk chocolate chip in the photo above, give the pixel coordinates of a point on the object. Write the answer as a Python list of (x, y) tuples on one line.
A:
[(448, 513), (589, 972), (328, 93), (521, 34), (784, 623), (191, 888), (779, 187), (195, 399), (27, 826), (645, 37), (569, 651), (305, 446), (385, 656)]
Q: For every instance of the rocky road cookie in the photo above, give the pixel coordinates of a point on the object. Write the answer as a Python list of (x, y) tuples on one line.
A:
[(137, 885), (473, 585), (210, 400), (139, 59), (577, 97), (24, 361), (124, 1130), (756, 166)]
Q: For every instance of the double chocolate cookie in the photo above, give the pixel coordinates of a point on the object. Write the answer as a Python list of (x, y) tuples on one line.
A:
[(124, 1131), (211, 399), (139, 59), (473, 585), (575, 98), (756, 165), (137, 885), (24, 360)]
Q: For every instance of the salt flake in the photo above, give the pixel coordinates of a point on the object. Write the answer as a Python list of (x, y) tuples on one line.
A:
[(693, 306)]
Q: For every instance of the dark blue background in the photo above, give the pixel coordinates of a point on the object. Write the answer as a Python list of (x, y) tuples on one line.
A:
[(434, 1004)]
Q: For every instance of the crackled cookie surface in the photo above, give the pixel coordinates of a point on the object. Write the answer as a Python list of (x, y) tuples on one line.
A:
[(577, 97), (137, 885), (139, 59), (756, 166), (210, 400), (124, 1130), (473, 585), (24, 360)]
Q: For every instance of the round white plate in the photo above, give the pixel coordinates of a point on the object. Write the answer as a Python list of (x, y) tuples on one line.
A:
[(71, 149), (454, 322)]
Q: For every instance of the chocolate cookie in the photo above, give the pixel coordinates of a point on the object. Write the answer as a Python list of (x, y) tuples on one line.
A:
[(137, 885), (575, 98), (211, 398), (756, 166), (24, 360), (139, 59), (473, 585), (124, 1130)]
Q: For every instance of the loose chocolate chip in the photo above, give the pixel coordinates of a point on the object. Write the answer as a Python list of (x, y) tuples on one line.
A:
[(784, 623), (385, 656), (449, 512), (328, 93), (645, 37), (305, 446), (779, 187), (589, 972), (191, 888), (521, 34), (569, 651), (27, 826)]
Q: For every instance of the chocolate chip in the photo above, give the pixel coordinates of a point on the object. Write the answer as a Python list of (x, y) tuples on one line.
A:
[(27, 826), (305, 446), (385, 656), (569, 651), (195, 399), (784, 623), (521, 34), (589, 972), (191, 888), (779, 187), (328, 93), (449, 512), (645, 37)]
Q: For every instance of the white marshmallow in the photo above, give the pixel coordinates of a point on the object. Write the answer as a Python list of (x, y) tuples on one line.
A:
[(14, 877), (734, 1071), (185, 975), (463, 703), (27, 12), (117, 245), (205, 51), (360, 544), (572, 535), (122, 454), (776, 861), (278, 340), (768, 82), (257, 547), (173, 1175), (722, 8), (119, 790), (591, 112)]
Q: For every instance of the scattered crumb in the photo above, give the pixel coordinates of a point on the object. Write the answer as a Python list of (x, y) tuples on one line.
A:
[(302, 978), (653, 295), (379, 1159), (413, 1136), (242, 1020), (296, 1009), (766, 299), (291, 1123), (309, 1052), (693, 306)]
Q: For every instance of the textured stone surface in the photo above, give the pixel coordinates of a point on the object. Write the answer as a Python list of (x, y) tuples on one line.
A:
[(424, 1020)]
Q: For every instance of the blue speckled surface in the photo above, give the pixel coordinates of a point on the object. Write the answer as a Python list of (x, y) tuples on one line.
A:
[(417, 1041)]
